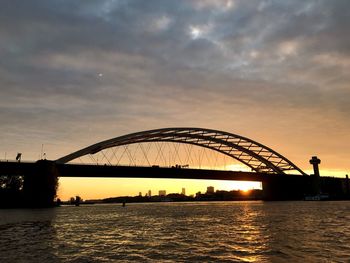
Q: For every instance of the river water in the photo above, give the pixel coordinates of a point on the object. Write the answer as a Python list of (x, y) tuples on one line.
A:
[(179, 232)]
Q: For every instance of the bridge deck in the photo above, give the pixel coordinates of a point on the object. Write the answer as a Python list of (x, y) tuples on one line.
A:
[(100, 171)]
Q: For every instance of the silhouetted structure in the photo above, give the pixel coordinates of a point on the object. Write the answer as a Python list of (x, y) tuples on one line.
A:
[(315, 178), (162, 193), (347, 186), (234, 195), (40, 186), (35, 184), (257, 156), (210, 190), (315, 162), (11, 191), (34, 187), (40, 180)]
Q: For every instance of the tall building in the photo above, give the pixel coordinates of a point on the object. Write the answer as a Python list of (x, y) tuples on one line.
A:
[(162, 193), (140, 194), (149, 193), (210, 189), (183, 191)]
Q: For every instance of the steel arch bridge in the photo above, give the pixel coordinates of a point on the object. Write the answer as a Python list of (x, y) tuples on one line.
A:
[(258, 157)]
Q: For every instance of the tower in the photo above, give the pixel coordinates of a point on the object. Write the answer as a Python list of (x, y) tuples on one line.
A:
[(210, 189), (315, 178), (315, 162)]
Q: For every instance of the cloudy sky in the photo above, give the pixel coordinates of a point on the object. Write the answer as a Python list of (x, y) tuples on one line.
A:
[(73, 73)]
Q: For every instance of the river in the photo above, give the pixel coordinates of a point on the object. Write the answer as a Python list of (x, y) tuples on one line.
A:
[(179, 232)]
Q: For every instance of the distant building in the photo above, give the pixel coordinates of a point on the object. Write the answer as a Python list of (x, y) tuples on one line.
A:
[(140, 194), (183, 191), (210, 189), (149, 193), (162, 193)]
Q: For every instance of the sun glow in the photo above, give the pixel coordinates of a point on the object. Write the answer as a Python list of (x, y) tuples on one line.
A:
[(200, 31), (246, 191), (195, 32), (240, 185)]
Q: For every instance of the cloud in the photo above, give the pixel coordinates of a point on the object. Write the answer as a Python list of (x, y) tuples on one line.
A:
[(74, 72)]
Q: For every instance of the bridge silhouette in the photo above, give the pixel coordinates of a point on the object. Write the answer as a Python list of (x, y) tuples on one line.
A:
[(252, 154), (281, 178)]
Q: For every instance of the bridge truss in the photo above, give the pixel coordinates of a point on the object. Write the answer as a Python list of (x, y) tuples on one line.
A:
[(250, 153)]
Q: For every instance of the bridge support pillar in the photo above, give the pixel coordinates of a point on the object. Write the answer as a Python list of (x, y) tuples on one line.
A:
[(41, 185), (347, 186), (285, 187)]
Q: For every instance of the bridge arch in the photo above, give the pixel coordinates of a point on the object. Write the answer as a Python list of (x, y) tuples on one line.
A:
[(258, 157)]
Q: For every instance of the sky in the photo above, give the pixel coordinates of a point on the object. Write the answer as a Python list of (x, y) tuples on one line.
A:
[(73, 73)]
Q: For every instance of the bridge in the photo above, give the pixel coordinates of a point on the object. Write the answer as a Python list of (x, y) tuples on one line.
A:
[(280, 177)]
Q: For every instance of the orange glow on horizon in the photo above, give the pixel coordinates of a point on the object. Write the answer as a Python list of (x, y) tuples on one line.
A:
[(246, 191), (98, 188)]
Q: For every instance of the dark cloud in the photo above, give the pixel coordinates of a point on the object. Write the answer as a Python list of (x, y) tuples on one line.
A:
[(111, 67)]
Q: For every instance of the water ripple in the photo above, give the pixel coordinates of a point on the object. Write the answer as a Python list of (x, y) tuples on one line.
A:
[(179, 232)]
